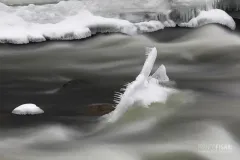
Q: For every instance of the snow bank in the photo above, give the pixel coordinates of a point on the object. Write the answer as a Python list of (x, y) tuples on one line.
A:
[(14, 29), (211, 16), (71, 21), (27, 109)]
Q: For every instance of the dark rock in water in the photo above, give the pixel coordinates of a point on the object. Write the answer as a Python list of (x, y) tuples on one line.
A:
[(99, 109), (74, 84)]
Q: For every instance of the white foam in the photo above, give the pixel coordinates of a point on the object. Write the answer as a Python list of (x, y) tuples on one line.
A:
[(27, 109), (144, 90), (211, 16)]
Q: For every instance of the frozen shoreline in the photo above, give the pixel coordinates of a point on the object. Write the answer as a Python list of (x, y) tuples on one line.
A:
[(25, 24)]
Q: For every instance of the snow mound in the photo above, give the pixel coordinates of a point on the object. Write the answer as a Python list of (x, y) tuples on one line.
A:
[(27, 109), (211, 16)]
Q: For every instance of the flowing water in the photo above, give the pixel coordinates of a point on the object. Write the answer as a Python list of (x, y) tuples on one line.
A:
[(200, 122)]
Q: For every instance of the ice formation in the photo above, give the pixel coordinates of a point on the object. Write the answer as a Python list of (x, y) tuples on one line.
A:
[(160, 76), (145, 89), (27, 109), (211, 16), (187, 9), (210, 4), (227, 5)]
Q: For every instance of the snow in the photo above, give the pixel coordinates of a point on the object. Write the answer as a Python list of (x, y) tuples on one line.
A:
[(211, 16), (150, 26), (14, 29), (27, 109), (72, 20)]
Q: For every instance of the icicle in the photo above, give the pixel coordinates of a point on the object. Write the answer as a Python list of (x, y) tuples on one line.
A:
[(186, 17), (193, 13), (215, 4)]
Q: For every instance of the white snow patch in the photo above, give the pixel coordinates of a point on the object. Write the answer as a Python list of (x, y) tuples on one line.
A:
[(27, 109), (150, 26), (211, 16)]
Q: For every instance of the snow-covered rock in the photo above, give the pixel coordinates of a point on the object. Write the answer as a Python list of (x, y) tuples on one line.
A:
[(27, 109)]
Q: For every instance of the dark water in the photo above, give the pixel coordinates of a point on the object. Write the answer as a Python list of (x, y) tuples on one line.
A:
[(204, 63)]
